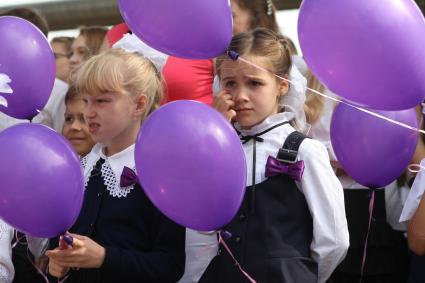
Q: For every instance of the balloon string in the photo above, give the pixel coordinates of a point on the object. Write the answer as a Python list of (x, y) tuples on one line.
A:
[(18, 239), (371, 204), (221, 240), (337, 99), (41, 272)]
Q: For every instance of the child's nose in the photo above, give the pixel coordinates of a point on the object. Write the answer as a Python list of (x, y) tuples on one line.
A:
[(89, 112), (76, 125), (240, 94)]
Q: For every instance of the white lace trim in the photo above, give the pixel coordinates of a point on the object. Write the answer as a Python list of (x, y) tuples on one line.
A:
[(111, 182), (112, 185), (4, 275), (84, 164)]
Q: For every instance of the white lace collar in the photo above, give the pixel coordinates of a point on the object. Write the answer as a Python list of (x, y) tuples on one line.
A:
[(111, 169), (266, 124)]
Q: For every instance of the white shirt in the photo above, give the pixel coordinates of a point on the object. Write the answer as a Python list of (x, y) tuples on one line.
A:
[(200, 249), (320, 186), (415, 195), (53, 113), (7, 272)]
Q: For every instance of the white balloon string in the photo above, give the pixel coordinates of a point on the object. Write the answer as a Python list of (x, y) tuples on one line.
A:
[(337, 99)]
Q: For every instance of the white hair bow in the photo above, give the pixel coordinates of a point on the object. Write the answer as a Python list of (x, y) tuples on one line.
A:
[(4, 88), (293, 101), (132, 43)]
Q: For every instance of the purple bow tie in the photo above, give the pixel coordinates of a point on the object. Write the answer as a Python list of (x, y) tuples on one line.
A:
[(128, 178), (275, 167)]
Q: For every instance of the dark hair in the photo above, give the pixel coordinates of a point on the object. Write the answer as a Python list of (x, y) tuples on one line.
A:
[(265, 43), (71, 94), (30, 15), (259, 13)]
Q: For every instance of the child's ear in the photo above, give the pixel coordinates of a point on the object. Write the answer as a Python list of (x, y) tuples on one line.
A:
[(283, 86), (141, 102)]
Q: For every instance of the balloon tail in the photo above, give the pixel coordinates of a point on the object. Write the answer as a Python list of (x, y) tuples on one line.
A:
[(222, 241), (371, 205)]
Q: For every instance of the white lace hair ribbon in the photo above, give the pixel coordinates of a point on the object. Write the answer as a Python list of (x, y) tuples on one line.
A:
[(4, 88), (132, 43), (293, 101)]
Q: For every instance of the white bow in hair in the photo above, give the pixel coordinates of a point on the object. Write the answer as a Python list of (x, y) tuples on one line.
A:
[(4, 88), (293, 101), (132, 43)]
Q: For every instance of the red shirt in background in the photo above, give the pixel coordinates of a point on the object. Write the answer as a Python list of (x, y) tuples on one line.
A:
[(189, 79)]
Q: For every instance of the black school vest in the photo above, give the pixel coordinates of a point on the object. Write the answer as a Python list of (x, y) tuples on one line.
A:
[(271, 241)]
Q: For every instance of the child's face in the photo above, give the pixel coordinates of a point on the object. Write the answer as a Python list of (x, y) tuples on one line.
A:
[(75, 128), (62, 60), (241, 19), (112, 118), (80, 52), (254, 92)]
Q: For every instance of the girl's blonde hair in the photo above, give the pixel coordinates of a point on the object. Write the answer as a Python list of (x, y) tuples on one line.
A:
[(265, 43), (118, 71), (314, 103)]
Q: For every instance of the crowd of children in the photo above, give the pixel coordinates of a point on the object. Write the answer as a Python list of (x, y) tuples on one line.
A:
[(302, 218)]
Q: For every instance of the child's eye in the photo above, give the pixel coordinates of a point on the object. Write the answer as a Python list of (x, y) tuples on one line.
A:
[(101, 100), (69, 119), (255, 83), (85, 100), (81, 119), (229, 84)]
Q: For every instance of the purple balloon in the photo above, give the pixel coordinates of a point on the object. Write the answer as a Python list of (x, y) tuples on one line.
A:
[(191, 165), (190, 29), (27, 59), (367, 51), (373, 151), (42, 181)]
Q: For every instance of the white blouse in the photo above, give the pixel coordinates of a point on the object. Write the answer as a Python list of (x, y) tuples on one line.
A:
[(7, 272), (321, 188), (415, 195)]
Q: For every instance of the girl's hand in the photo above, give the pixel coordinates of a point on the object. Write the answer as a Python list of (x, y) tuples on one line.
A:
[(84, 253), (57, 270), (223, 103)]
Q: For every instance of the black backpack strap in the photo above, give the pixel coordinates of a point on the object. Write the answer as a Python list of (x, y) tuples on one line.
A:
[(289, 151)]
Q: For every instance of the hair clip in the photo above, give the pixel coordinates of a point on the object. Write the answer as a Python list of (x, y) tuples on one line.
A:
[(233, 55), (269, 7)]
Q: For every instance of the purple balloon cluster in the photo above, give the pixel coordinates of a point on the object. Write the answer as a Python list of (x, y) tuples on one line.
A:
[(370, 53)]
